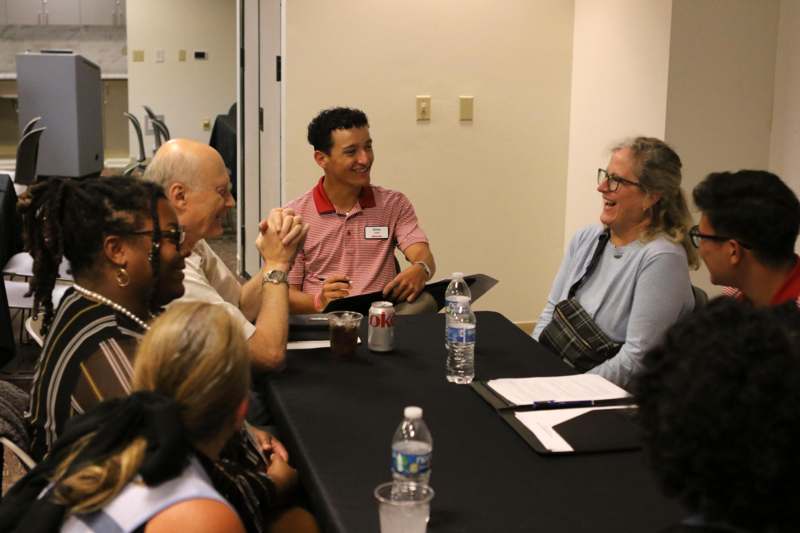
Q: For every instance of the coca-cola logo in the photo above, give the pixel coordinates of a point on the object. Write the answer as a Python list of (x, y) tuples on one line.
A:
[(381, 321)]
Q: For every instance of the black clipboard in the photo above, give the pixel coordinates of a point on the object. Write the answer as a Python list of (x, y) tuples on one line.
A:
[(479, 284), (599, 430)]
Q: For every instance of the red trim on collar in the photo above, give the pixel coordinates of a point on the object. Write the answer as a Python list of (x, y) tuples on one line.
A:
[(323, 203), (791, 287)]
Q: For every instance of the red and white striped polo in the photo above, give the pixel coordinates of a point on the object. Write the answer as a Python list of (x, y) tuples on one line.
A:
[(359, 244)]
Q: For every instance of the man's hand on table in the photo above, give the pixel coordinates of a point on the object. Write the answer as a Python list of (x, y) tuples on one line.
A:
[(406, 286)]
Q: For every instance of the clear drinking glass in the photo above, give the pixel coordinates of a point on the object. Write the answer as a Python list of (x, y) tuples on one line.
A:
[(344, 331), (404, 507)]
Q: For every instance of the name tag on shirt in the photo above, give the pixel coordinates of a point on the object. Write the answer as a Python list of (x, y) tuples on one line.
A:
[(376, 232)]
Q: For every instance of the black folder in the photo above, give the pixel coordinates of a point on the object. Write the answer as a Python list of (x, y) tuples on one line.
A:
[(598, 430), (478, 284)]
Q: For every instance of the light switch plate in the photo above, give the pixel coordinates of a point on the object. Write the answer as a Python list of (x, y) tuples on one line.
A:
[(181, 55), (465, 107), (423, 107), (137, 56), (160, 55)]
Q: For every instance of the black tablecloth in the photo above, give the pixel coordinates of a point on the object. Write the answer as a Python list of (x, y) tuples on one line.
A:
[(338, 416)]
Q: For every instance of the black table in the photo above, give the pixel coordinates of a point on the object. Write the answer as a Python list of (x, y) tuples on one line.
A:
[(337, 418)]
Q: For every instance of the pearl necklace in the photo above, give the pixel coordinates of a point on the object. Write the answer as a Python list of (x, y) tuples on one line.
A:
[(113, 305)]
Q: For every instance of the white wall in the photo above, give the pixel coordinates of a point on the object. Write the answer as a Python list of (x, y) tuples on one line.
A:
[(619, 88), (784, 155), (187, 92), (490, 194), (719, 107)]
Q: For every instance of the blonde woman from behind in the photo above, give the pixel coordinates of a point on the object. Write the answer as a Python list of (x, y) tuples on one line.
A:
[(146, 462)]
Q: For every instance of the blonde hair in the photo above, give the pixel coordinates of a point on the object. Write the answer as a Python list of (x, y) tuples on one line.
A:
[(658, 168), (195, 354)]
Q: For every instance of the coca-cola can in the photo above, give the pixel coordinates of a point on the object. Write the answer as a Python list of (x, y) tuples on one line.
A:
[(380, 337)]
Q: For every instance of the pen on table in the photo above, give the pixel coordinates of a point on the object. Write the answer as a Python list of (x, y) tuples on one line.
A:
[(343, 281), (568, 404)]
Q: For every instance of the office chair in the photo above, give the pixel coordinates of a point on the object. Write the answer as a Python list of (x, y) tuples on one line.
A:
[(28, 157), (30, 125), (141, 162), (161, 135), (162, 128)]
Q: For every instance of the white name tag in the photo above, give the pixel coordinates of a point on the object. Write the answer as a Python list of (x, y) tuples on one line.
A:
[(376, 232)]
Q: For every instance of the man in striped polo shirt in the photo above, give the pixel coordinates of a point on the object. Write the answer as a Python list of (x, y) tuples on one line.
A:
[(747, 232), (354, 226)]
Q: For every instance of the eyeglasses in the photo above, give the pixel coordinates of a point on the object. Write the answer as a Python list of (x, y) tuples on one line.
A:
[(695, 236), (614, 180), (175, 235)]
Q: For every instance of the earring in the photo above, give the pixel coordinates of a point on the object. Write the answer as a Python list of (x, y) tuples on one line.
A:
[(123, 279)]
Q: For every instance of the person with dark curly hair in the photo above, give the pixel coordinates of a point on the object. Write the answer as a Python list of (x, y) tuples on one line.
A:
[(355, 226), (126, 250), (122, 240), (746, 235), (719, 403)]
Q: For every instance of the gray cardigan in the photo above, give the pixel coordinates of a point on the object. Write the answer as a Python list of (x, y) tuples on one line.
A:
[(636, 292)]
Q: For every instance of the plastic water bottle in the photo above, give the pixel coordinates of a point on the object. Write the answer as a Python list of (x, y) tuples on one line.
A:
[(461, 328), (457, 287), (412, 448)]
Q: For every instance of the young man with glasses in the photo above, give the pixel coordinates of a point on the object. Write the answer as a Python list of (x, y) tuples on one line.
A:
[(746, 236)]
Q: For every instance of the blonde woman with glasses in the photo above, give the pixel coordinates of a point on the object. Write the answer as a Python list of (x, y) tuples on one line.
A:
[(150, 462)]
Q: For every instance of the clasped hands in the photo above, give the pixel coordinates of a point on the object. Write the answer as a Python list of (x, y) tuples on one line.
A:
[(280, 236)]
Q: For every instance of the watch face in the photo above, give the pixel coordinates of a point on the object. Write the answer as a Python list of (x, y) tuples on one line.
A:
[(276, 276)]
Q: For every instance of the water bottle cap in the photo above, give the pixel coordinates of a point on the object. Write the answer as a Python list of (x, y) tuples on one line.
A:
[(458, 275), (412, 412)]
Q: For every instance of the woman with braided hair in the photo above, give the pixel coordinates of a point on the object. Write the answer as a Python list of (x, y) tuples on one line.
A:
[(147, 463), (122, 240)]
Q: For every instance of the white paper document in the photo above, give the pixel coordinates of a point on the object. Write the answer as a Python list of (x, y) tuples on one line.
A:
[(310, 345), (541, 423), (521, 391)]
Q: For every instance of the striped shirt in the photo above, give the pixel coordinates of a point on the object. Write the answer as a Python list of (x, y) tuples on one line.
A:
[(359, 244), (88, 357)]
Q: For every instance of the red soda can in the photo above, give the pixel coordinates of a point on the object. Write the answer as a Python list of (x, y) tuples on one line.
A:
[(380, 337)]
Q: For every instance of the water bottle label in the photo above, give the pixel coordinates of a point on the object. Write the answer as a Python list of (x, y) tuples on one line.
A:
[(409, 464), (461, 334)]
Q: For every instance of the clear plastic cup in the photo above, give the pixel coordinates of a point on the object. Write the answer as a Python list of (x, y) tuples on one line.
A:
[(404, 507)]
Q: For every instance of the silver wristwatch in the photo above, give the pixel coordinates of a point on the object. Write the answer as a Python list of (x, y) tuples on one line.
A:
[(275, 276)]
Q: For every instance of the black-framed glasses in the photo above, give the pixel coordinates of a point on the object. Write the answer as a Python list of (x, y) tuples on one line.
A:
[(614, 180), (175, 235), (695, 236)]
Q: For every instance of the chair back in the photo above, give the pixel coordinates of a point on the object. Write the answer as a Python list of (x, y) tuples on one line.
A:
[(28, 157), (13, 434), (30, 125), (700, 297), (10, 222), (137, 127), (159, 125), (8, 348)]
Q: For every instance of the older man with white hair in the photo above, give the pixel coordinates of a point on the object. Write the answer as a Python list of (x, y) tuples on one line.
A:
[(197, 185)]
